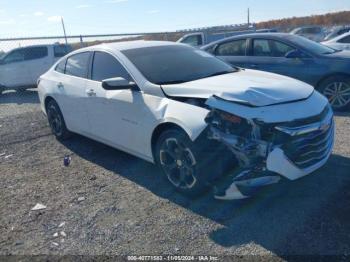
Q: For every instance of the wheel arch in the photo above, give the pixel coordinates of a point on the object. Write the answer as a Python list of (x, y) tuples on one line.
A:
[(318, 84), (160, 128)]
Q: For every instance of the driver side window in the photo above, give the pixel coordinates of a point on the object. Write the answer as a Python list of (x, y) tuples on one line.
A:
[(106, 66), (14, 56), (270, 48)]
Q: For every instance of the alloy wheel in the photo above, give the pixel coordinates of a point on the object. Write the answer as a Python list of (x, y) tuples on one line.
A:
[(178, 163), (338, 94)]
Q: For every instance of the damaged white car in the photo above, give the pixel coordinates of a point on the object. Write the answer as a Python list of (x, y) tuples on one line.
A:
[(192, 114)]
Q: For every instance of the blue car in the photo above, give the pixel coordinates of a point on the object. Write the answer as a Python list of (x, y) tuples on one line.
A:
[(327, 69)]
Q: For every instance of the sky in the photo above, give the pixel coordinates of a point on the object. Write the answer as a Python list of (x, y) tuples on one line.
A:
[(23, 18)]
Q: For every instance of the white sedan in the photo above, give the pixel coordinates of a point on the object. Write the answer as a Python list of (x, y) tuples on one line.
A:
[(189, 112), (341, 42)]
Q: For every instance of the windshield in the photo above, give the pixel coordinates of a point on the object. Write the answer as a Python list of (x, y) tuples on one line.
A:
[(176, 64), (313, 47)]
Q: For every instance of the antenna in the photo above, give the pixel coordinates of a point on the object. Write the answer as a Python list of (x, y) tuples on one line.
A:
[(64, 31)]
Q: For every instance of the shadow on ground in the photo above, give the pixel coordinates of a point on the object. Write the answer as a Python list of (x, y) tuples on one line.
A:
[(21, 97), (307, 216)]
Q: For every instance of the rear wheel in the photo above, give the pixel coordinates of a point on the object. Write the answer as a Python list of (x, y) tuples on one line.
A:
[(56, 120), (337, 90), (187, 165)]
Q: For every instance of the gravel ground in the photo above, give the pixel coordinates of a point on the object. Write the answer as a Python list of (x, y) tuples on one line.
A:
[(112, 203)]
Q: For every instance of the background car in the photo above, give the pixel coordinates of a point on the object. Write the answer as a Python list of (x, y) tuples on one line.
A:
[(341, 42), (199, 39), (326, 69), (337, 31), (315, 33), (21, 67)]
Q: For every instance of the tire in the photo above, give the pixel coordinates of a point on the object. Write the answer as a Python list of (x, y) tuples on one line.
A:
[(337, 90), (56, 121), (188, 166)]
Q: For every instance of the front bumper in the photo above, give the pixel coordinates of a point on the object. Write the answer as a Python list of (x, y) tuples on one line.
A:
[(315, 144)]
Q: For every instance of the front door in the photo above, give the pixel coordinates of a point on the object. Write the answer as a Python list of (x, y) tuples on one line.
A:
[(14, 70), (116, 116), (270, 55)]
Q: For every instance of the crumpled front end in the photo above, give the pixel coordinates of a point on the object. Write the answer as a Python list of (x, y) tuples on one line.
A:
[(269, 148)]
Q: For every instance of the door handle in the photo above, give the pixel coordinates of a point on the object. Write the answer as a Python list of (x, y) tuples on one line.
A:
[(60, 85), (90, 92)]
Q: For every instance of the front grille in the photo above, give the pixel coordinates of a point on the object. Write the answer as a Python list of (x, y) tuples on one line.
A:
[(308, 149)]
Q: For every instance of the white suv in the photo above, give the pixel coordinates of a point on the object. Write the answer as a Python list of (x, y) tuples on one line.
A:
[(189, 112), (21, 67)]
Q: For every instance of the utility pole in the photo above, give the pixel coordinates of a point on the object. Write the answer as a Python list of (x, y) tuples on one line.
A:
[(64, 31), (248, 18)]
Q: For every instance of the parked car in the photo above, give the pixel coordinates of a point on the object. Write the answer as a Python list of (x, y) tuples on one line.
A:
[(21, 67), (341, 42), (188, 111), (315, 33), (337, 32), (326, 69), (199, 39)]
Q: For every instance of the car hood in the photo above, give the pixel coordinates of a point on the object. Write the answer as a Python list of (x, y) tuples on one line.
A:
[(251, 87)]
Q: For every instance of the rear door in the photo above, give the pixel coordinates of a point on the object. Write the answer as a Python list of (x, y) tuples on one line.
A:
[(14, 71), (233, 52), (71, 92)]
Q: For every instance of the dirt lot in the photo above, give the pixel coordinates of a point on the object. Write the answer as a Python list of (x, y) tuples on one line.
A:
[(113, 203)]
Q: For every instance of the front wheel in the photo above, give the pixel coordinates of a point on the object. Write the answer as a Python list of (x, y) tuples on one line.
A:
[(56, 120), (184, 163), (337, 90)]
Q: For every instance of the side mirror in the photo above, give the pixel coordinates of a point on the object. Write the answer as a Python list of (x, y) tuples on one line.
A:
[(118, 83), (293, 54)]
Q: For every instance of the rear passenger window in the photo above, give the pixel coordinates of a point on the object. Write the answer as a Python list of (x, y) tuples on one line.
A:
[(32, 53), (234, 48), (77, 65), (61, 66), (106, 66), (280, 49)]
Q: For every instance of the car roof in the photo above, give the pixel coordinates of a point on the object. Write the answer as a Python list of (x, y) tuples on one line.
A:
[(254, 35), (126, 45)]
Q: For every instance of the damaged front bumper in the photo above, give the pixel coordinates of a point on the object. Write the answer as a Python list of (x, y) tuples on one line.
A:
[(305, 147)]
